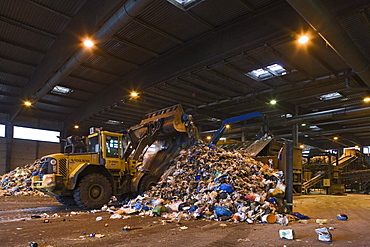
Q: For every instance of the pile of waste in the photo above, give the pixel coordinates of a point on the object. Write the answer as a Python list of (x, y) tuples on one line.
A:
[(18, 181), (212, 183)]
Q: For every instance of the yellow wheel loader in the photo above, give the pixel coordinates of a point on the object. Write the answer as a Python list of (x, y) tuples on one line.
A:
[(92, 170)]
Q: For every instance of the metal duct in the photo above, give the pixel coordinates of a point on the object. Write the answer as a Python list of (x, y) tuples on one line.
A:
[(321, 116), (323, 22), (121, 18)]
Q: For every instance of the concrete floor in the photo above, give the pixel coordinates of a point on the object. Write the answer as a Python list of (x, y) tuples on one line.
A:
[(17, 228)]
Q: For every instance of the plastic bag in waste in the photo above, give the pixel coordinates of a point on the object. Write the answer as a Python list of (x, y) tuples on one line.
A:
[(324, 234)]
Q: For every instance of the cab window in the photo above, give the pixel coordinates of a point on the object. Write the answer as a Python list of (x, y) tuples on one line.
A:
[(111, 146)]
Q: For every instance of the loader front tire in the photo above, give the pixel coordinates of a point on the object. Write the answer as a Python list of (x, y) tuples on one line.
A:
[(68, 201), (147, 182), (93, 191)]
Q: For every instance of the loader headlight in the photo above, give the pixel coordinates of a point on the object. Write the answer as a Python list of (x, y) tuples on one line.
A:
[(53, 162)]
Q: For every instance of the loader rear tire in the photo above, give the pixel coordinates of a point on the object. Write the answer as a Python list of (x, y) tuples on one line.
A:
[(147, 182), (68, 201), (93, 191)]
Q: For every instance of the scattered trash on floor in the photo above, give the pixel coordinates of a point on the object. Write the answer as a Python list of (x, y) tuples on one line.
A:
[(342, 217), (322, 221), (287, 234), (323, 234)]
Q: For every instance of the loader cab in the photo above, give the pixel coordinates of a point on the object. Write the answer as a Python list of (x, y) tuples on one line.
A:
[(110, 147)]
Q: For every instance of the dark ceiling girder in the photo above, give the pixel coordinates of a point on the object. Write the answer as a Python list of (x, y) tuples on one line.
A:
[(48, 9), (191, 94), (67, 44), (200, 20), (227, 78), (247, 5), (216, 45), (135, 46), (171, 95), (288, 61), (321, 61), (18, 61), (366, 16), (158, 31), (102, 53), (14, 74), (23, 46), (198, 87), (216, 84), (29, 28), (167, 99), (317, 116), (324, 23)]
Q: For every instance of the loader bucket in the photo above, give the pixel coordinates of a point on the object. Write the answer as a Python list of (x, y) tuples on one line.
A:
[(173, 119)]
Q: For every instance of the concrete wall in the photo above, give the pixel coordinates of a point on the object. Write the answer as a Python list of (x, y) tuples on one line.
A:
[(26, 152), (2, 155)]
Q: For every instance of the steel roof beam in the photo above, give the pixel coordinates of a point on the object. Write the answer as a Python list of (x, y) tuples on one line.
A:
[(28, 28), (324, 23), (135, 46), (158, 31)]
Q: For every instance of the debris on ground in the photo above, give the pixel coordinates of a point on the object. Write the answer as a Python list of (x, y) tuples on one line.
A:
[(18, 181), (287, 234), (206, 182), (323, 234)]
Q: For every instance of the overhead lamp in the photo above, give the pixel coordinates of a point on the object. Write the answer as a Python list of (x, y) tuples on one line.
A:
[(367, 99), (27, 103), (227, 126), (209, 137), (301, 146), (303, 39), (134, 95), (273, 102), (88, 43), (335, 138), (76, 126), (303, 124)]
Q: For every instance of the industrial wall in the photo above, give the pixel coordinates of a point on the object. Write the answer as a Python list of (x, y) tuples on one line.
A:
[(26, 152), (2, 155)]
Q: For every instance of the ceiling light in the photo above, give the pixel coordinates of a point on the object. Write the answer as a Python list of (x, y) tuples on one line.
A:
[(209, 137), (114, 122), (335, 138), (76, 126), (61, 90), (367, 99), (303, 124), (134, 94), (88, 43), (267, 72), (303, 39), (27, 103), (227, 126), (273, 102), (301, 146), (185, 4), (314, 128), (330, 96)]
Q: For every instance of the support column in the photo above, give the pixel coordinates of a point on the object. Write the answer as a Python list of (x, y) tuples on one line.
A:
[(295, 135), (289, 173), (9, 141)]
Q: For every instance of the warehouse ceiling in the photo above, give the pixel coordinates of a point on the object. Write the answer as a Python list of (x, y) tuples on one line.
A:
[(217, 58)]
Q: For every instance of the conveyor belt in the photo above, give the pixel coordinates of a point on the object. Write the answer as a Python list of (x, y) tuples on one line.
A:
[(308, 184), (346, 160)]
